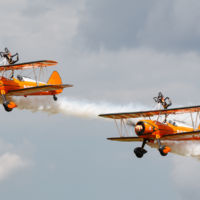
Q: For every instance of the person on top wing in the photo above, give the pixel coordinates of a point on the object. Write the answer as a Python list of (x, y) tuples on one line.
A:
[(8, 57), (165, 102)]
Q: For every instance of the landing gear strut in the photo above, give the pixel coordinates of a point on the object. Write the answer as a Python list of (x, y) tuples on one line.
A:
[(140, 151), (55, 98)]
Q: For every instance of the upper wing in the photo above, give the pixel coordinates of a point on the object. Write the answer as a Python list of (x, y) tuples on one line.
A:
[(173, 137), (32, 90), (151, 113), (28, 65)]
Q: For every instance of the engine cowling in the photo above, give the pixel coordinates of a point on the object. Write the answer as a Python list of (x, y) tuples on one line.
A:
[(143, 128)]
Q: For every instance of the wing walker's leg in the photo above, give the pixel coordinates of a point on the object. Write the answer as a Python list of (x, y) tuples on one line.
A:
[(163, 149), (140, 151)]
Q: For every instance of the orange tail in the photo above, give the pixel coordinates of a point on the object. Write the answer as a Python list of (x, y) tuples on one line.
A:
[(55, 79)]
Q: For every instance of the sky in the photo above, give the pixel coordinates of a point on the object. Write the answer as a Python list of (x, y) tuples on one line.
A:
[(115, 53)]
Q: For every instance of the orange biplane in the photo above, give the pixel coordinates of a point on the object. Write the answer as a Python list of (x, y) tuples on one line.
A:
[(158, 130), (25, 86)]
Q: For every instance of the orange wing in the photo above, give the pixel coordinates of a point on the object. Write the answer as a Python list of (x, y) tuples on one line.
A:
[(28, 65), (182, 136), (151, 113), (31, 90), (127, 139), (173, 137)]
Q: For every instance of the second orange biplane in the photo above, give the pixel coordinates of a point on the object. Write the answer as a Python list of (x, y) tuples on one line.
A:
[(159, 130), (24, 86)]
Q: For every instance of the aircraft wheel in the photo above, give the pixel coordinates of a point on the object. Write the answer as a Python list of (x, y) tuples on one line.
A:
[(139, 152), (5, 105), (55, 98), (164, 150)]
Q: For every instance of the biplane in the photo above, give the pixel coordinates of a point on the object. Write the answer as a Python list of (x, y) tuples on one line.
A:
[(26, 86), (153, 127)]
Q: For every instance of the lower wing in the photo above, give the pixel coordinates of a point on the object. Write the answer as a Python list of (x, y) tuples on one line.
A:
[(32, 90), (173, 137)]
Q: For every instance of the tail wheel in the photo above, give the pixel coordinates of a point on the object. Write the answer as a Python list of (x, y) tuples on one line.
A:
[(139, 152), (55, 98), (164, 150), (5, 105)]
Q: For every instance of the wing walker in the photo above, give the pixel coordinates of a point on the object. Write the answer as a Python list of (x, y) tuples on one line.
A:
[(23, 85), (154, 126)]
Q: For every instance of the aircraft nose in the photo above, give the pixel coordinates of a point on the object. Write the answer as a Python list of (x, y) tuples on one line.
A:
[(138, 128)]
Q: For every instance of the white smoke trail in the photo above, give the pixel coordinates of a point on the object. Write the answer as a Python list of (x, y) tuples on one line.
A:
[(183, 148), (72, 107)]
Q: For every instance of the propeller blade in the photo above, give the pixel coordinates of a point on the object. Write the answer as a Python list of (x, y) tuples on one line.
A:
[(131, 123)]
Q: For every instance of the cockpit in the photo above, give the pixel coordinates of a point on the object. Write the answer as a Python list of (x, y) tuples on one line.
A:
[(20, 78), (172, 123)]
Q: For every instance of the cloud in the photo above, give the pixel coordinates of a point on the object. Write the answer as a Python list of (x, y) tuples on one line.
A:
[(134, 75), (185, 176), (38, 27), (113, 24), (10, 163), (168, 26), (13, 158), (172, 25)]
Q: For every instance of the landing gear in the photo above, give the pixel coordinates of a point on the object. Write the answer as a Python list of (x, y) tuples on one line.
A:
[(5, 105), (8, 105), (55, 98), (140, 151), (163, 149)]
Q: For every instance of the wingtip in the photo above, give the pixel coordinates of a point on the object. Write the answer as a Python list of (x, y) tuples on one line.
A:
[(52, 62), (67, 85)]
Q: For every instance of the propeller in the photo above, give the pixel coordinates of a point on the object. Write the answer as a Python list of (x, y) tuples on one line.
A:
[(131, 123)]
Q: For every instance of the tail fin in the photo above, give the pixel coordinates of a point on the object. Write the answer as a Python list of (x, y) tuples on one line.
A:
[(55, 79)]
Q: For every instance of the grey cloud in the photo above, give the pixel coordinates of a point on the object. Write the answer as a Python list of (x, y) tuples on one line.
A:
[(113, 24), (173, 25), (167, 25), (38, 8)]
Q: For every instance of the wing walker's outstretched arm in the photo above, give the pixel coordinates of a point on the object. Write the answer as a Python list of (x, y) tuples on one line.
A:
[(165, 102), (7, 55)]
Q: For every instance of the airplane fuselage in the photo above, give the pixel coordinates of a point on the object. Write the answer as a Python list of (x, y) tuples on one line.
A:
[(7, 85), (154, 129)]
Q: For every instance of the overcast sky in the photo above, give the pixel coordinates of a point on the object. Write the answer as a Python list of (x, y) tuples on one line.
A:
[(113, 51)]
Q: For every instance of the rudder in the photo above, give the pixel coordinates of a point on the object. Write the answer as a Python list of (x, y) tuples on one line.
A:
[(54, 79)]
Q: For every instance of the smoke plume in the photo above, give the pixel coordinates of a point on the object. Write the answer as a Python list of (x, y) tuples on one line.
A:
[(72, 107), (183, 148)]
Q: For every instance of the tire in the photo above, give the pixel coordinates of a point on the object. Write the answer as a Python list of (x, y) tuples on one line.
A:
[(139, 152), (5, 105), (161, 150), (55, 98)]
